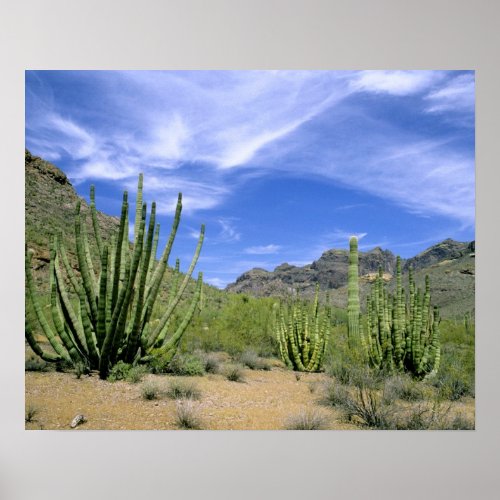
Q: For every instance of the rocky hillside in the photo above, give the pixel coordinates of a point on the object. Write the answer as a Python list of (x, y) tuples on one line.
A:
[(450, 265), (50, 202)]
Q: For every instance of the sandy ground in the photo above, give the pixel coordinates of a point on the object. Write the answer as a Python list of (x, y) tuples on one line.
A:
[(264, 401)]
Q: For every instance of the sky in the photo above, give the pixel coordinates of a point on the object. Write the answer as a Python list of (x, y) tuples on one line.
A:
[(279, 165)]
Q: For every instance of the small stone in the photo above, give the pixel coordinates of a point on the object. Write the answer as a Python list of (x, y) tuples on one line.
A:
[(79, 419)]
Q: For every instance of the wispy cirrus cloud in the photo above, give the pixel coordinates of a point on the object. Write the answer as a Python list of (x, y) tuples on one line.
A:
[(263, 249), (210, 134), (228, 232), (398, 83), (457, 95)]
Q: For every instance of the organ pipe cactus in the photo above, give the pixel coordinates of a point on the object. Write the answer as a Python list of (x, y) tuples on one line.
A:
[(402, 331), (302, 334), (100, 319), (353, 309)]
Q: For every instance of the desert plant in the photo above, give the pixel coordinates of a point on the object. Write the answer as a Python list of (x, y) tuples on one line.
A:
[(33, 364), (182, 389), (150, 391), (336, 395), (353, 309), (402, 331), (307, 420), (184, 365), (112, 322), (30, 414), (302, 334), (188, 415), (403, 387), (119, 371), (211, 363), (368, 407), (234, 373), (251, 360), (136, 374)]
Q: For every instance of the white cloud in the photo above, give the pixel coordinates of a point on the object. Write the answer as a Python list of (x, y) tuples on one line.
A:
[(263, 250), (457, 95), (218, 282), (228, 231), (399, 83)]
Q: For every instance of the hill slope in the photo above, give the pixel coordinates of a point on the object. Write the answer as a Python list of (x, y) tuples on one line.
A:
[(450, 265)]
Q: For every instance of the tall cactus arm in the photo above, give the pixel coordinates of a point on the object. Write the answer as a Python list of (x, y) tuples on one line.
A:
[(57, 315), (83, 264), (154, 335), (110, 333), (353, 293), (118, 253), (103, 294), (153, 288), (135, 333), (95, 223), (129, 288), (174, 340), (47, 330), (30, 338), (138, 208)]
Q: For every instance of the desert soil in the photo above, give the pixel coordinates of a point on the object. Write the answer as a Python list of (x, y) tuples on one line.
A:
[(264, 401)]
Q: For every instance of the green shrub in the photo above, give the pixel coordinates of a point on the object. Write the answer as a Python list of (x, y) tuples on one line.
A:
[(119, 371), (35, 365), (182, 389), (136, 374), (307, 420), (186, 365)]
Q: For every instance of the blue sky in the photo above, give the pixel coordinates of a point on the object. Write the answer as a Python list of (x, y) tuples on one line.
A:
[(279, 165)]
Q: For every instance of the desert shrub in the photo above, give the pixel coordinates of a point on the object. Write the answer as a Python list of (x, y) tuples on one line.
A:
[(119, 371), (335, 394), (183, 389), (307, 420), (460, 423), (211, 363), (136, 374), (188, 415), (456, 377), (234, 373), (403, 387), (33, 364), (30, 413), (81, 369), (368, 407), (251, 360), (186, 365), (150, 391), (422, 417)]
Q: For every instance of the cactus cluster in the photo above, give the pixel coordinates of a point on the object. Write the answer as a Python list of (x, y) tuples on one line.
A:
[(302, 334), (402, 330), (111, 318)]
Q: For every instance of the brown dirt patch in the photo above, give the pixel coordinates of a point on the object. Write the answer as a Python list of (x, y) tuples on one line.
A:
[(263, 402)]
